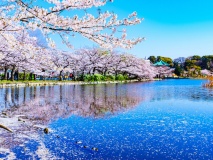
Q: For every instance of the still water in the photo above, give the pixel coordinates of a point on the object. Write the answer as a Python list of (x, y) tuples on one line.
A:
[(170, 119)]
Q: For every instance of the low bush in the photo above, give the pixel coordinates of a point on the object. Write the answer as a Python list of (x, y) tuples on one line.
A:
[(21, 76), (109, 78), (99, 77), (120, 77)]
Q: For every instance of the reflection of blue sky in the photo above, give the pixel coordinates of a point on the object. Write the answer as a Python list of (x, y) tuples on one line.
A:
[(172, 28), (156, 130), (166, 123)]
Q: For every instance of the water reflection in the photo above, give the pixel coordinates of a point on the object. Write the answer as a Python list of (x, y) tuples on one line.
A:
[(29, 107), (51, 102), (111, 96), (155, 120)]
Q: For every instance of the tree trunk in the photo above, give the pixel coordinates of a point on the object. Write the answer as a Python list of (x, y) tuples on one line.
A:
[(17, 75), (93, 71), (73, 76), (24, 78), (5, 73), (12, 73), (104, 72), (31, 76), (116, 75), (60, 76)]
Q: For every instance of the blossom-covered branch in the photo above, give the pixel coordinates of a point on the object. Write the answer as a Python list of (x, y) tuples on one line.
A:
[(102, 29)]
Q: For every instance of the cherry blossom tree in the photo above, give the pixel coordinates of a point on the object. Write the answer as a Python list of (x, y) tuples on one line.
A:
[(18, 51), (91, 59), (111, 62), (63, 62), (163, 71), (21, 52), (103, 28)]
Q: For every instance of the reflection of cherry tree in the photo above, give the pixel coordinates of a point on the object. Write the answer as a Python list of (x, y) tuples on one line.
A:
[(43, 105), (92, 102)]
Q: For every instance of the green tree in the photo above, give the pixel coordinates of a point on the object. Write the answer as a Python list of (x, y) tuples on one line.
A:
[(178, 69), (152, 59), (196, 57), (207, 62), (189, 64)]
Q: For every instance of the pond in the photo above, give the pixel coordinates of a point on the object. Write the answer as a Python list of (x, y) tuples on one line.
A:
[(169, 119)]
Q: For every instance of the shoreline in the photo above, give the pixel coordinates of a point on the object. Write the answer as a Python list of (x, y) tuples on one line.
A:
[(52, 83)]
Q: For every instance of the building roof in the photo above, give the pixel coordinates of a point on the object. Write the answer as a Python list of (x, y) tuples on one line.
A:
[(161, 63)]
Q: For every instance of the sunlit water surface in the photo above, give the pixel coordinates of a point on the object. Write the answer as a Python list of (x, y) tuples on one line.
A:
[(170, 119)]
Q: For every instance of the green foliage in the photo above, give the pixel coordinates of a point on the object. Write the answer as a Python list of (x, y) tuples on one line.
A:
[(109, 78), (152, 59), (99, 77), (91, 78), (178, 70), (192, 64), (126, 77), (198, 68), (80, 78), (207, 62), (120, 77), (1, 76), (21, 76), (86, 78), (196, 57)]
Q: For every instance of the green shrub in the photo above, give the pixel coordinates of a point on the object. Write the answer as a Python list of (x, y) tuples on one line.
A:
[(80, 77), (126, 77), (21, 76), (95, 77), (99, 77), (1, 76), (88, 78), (109, 78), (120, 77)]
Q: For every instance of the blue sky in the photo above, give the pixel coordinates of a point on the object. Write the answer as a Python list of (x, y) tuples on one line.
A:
[(173, 28)]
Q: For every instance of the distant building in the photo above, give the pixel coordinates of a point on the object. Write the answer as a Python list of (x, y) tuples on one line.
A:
[(163, 69), (161, 63)]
